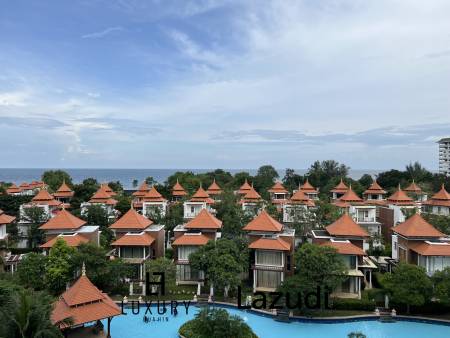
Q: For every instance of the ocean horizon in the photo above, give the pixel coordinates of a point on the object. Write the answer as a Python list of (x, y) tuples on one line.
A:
[(126, 176)]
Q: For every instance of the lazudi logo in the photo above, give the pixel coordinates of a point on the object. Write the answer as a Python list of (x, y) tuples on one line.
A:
[(280, 300), (162, 306)]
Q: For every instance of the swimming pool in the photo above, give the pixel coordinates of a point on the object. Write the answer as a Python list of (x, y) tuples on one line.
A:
[(133, 326)]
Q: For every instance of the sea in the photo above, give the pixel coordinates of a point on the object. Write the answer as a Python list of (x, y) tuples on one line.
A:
[(126, 176)]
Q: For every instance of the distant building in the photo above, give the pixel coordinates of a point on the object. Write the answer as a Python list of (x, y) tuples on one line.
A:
[(444, 156)]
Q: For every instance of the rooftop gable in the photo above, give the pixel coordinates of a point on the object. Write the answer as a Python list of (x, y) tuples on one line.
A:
[(264, 223)]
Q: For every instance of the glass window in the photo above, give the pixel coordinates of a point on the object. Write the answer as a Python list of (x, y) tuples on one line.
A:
[(264, 257), (268, 279), (185, 251)]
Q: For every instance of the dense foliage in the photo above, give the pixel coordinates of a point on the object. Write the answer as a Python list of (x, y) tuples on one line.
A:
[(216, 323)]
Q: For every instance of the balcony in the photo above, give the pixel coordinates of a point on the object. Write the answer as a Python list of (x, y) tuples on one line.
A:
[(365, 219)]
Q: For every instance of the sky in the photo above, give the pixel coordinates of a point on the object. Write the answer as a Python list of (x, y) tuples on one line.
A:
[(229, 84)]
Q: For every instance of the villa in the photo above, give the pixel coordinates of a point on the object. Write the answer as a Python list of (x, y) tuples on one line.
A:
[(295, 208), (178, 192), (4, 221), (103, 197), (363, 213), (278, 194), (69, 228), (64, 194), (154, 204), (339, 190), (271, 252), (139, 194), (438, 204), (188, 238), (137, 241), (375, 193), (310, 191), (415, 192), (244, 189), (416, 241), (199, 201), (214, 191), (350, 241), (252, 202)]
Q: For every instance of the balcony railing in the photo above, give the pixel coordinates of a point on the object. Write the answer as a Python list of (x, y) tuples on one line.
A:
[(365, 219)]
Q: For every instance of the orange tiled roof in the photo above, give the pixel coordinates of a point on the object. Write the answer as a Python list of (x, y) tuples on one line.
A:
[(441, 198), (143, 239), (350, 196), (178, 190), (132, 220), (270, 244), (204, 220), (201, 196), (191, 239), (103, 196), (278, 188), (244, 188), (340, 188), (345, 248), (108, 189), (400, 198), (299, 197), (25, 186), (63, 220), (416, 226), (252, 196), (63, 191), (427, 249), (346, 226), (71, 240), (13, 189), (374, 188), (84, 303), (42, 195), (214, 189), (307, 187), (6, 219), (153, 196), (264, 223), (414, 188), (142, 190)]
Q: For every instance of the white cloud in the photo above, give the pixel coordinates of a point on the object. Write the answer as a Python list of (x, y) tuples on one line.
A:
[(102, 33)]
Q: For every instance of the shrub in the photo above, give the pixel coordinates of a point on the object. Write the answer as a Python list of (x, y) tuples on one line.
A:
[(353, 304), (216, 323)]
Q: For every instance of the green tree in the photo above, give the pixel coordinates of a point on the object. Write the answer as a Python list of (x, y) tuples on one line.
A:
[(162, 264), (135, 183), (441, 283), (216, 323), (409, 285), (11, 204), (150, 181), (105, 273), (26, 314), (30, 271), (58, 270), (97, 215), (417, 172), (264, 179), (232, 216), (291, 180), (54, 179), (35, 216), (320, 173), (316, 266), (440, 222), (84, 191), (222, 261), (123, 203), (174, 216), (366, 180)]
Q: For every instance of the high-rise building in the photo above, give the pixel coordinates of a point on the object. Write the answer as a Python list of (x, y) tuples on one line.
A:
[(444, 156)]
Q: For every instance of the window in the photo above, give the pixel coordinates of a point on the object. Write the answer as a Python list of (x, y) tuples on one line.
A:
[(185, 251), (274, 258), (131, 252), (349, 261), (186, 273), (268, 279), (192, 210)]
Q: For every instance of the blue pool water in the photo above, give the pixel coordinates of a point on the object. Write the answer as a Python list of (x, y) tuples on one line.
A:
[(133, 326)]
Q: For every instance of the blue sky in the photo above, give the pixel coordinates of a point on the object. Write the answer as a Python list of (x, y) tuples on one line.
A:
[(232, 84)]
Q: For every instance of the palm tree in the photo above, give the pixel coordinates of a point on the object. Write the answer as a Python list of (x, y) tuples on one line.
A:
[(27, 315)]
